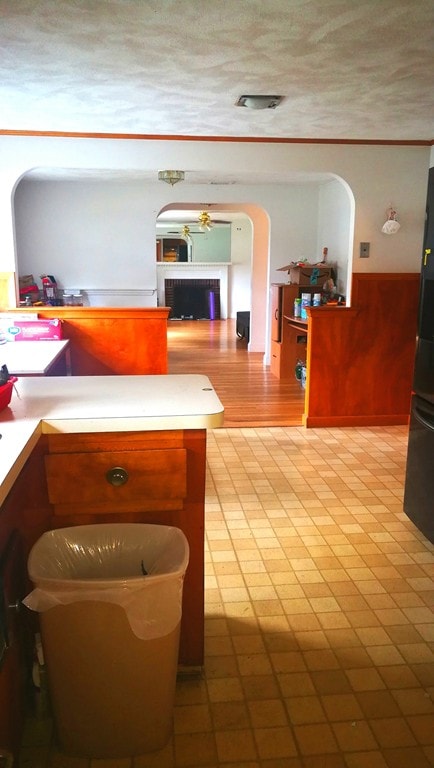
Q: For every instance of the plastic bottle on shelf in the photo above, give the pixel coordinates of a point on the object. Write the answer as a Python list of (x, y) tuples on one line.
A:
[(297, 307), (49, 288), (306, 300)]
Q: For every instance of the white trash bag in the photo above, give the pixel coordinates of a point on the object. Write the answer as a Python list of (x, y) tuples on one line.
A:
[(138, 566)]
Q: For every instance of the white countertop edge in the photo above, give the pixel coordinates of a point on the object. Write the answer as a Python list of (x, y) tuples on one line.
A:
[(131, 424), (18, 459)]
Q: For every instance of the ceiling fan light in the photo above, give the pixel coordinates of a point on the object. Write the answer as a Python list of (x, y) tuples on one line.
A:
[(171, 177), (205, 220)]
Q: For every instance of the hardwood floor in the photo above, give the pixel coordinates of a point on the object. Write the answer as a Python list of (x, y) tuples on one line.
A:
[(251, 395)]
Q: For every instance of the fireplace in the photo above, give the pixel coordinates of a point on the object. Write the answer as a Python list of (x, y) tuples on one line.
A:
[(214, 275), (193, 298)]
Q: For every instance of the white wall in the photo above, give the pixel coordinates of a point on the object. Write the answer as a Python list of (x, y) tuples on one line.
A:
[(376, 175), (240, 293), (87, 234), (334, 227), (95, 236)]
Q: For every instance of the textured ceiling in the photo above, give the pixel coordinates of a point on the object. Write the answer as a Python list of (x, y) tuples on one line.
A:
[(347, 69)]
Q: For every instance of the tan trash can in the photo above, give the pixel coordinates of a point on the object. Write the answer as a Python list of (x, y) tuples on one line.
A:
[(110, 603)]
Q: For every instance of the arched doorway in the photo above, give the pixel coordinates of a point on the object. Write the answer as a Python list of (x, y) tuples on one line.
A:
[(247, 278)]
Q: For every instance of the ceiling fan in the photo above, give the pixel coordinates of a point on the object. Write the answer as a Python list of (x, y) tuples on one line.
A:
[(204, 222), (185, 231)]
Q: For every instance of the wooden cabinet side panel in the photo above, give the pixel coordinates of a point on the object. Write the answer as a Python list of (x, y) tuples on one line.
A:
[(360, 359), (275, 352), (26, 512), (290, 293), (276, 312), (114, 341), (191, 520), (100, 347)]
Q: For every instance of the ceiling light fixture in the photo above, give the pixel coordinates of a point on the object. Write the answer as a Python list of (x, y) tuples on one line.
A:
[(391, 225), (205, 220), (171, 177), (259, 102)]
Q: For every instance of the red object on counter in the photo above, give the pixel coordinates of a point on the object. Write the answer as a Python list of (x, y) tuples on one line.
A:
[(6, 392)]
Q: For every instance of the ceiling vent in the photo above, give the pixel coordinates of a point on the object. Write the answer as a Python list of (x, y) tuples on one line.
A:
[(259, 102)]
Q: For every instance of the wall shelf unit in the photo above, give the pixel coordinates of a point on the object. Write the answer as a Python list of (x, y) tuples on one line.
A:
[(288, 333)]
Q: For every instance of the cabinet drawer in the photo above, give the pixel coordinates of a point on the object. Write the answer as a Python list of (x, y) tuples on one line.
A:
[(81, 478)]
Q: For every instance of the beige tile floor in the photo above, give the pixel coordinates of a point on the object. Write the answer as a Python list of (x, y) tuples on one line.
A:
[(319, 612)]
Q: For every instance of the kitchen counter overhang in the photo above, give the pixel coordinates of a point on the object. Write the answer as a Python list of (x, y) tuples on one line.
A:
[(82, 404)]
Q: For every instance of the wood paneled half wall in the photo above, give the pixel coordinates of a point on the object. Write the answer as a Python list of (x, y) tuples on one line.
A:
[(107, 341), (362, 357)]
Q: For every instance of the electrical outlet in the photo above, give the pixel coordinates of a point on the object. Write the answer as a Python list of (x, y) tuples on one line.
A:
[(364, 250)]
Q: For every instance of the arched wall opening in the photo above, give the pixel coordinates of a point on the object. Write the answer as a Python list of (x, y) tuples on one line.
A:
[(334, 227), (258, 266), (98, 234)]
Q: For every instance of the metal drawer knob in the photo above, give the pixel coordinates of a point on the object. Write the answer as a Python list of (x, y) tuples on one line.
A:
[(117, 476)]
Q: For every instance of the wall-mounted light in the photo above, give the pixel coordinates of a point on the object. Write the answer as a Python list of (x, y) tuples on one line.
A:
[(171, 177), (391, 225)]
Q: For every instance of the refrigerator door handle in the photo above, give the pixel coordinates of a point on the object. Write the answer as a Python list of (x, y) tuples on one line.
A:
[(421, 417)]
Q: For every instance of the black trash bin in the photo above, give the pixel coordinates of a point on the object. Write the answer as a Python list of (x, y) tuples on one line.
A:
[(110, 604)]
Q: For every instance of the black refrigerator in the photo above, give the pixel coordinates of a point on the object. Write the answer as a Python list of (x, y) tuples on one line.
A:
[(419, 478)]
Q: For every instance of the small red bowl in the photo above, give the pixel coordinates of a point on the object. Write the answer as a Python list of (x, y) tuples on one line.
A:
[(6, 392)]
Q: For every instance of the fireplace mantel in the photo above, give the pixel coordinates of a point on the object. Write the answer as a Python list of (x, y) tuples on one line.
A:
[(191, 270)]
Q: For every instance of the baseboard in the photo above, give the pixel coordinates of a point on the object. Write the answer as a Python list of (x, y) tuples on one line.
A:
[(382, 420)]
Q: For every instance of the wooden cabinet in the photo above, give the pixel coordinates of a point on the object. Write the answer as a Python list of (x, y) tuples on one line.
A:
[(294, 344), (288, 335), (165, 484), (66, 481)]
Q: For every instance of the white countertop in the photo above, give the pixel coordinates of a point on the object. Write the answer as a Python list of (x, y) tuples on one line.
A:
[(100, 404), (31, 358)]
